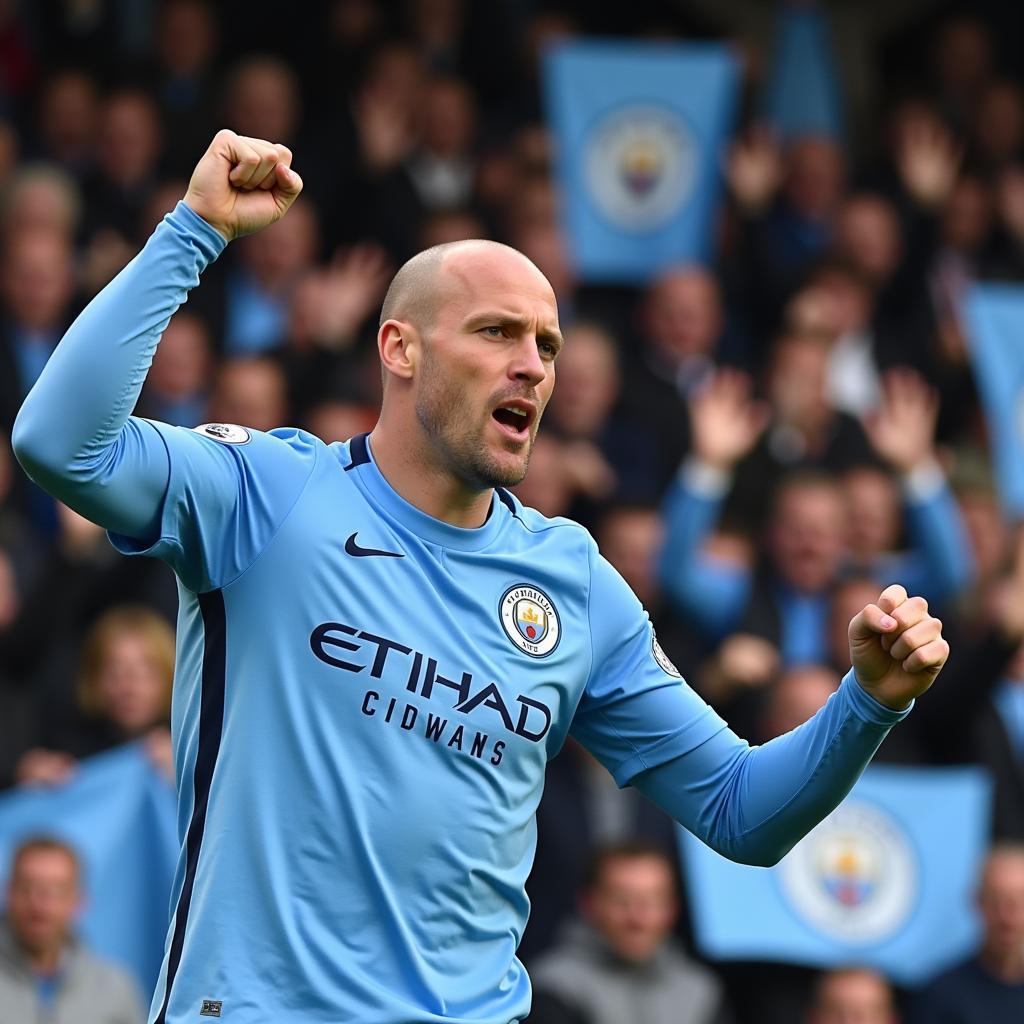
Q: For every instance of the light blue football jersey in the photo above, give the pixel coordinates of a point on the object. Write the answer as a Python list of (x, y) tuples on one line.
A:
[(365, 702), (366, 697)]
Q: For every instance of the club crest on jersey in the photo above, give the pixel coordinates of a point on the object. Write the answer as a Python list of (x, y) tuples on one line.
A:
[(530, 620), (226, 433)]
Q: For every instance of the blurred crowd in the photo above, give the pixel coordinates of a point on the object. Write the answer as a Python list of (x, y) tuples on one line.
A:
[(758, 446)]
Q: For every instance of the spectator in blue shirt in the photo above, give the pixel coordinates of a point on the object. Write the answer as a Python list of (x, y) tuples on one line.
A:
[(815, 531)]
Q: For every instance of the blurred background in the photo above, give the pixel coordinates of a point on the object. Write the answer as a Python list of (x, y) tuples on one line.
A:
[(759, 440)]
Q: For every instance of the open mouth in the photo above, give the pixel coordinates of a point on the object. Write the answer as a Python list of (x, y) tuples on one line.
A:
[(515, 418)]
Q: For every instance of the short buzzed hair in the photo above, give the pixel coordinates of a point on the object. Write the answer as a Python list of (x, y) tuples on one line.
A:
[(46, 844), (407, 295), (827, 978), (805, 478), (633, 849)]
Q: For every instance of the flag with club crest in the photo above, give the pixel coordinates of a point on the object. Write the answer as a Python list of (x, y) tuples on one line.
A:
[(118, 813), (639, 132), (802, 94), (886, 880), (994, 316)]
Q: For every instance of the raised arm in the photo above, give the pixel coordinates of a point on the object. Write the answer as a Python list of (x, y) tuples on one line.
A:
[(753, 804), (902, 432), (74, 435), (749, 803), (726, 425)]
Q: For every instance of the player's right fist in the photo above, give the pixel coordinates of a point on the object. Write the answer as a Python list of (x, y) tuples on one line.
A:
[(241, 185)]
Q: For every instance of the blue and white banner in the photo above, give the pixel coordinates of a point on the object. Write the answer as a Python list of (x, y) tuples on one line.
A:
[(802, 95), (639, 131), (886, 880), (119, 814), (994, 316)]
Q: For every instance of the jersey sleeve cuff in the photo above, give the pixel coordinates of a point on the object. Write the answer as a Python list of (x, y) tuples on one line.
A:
[(704, 479), (865, 707), (923, 482), (210, 242)]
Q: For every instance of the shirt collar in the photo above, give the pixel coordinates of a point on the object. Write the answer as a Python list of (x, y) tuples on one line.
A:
[(369, 479)]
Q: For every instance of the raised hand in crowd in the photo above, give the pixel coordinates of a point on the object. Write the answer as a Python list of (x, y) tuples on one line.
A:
[(79, 537), (929, 159), (754, 169), (385, 127), (588, 470), (726, 421), (41, 767), (160, 751), (107, 253), (1005, 600), (10, 598), (743, 662), (351, 287), (902, 431)]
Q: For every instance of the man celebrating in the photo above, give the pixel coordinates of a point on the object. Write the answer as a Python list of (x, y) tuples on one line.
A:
[(379, 648)]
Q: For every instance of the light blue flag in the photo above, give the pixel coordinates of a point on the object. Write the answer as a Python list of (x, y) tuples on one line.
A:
[(119, 815), (639, 131), (995, 325), (886, 880), (802, 95)]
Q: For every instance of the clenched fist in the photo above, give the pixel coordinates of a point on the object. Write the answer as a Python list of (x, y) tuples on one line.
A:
[(896, 647), (241, 185)]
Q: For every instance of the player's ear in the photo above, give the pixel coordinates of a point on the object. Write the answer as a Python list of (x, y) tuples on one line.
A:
[(398, 344)]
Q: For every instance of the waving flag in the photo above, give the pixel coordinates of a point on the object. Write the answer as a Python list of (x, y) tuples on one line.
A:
[(802, 95), (995, 324), (886, 880), (639, 130)]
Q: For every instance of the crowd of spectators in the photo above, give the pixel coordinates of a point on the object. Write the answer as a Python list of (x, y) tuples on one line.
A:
[(758, 446)]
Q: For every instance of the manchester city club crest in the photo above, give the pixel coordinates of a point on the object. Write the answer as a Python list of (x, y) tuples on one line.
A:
[(854, 877), (530, 620), (640, 166)]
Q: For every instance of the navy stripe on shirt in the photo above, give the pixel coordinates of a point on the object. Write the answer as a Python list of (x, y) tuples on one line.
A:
[(359, 451), (211, 721)]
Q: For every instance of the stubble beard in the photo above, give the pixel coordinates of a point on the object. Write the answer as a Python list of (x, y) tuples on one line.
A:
[(455, 434)]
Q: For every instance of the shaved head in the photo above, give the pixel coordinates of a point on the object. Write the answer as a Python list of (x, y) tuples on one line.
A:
[(468, 338), (417, 291)]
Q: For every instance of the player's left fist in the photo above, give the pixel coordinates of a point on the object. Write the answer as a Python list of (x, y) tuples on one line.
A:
[(896, 647)]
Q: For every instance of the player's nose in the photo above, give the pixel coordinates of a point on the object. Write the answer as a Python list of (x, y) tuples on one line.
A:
[(527, 363)]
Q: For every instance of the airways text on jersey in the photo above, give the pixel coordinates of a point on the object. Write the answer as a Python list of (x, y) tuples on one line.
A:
[(522, 716)]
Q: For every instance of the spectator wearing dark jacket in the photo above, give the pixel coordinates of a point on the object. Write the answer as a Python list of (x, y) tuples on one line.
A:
[(989, 986)]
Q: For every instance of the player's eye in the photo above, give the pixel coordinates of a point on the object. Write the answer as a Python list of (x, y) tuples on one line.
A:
[(548, 349), (494, 331)]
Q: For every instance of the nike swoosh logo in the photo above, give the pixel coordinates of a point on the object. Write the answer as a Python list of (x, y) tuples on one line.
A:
[(352, 548)]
